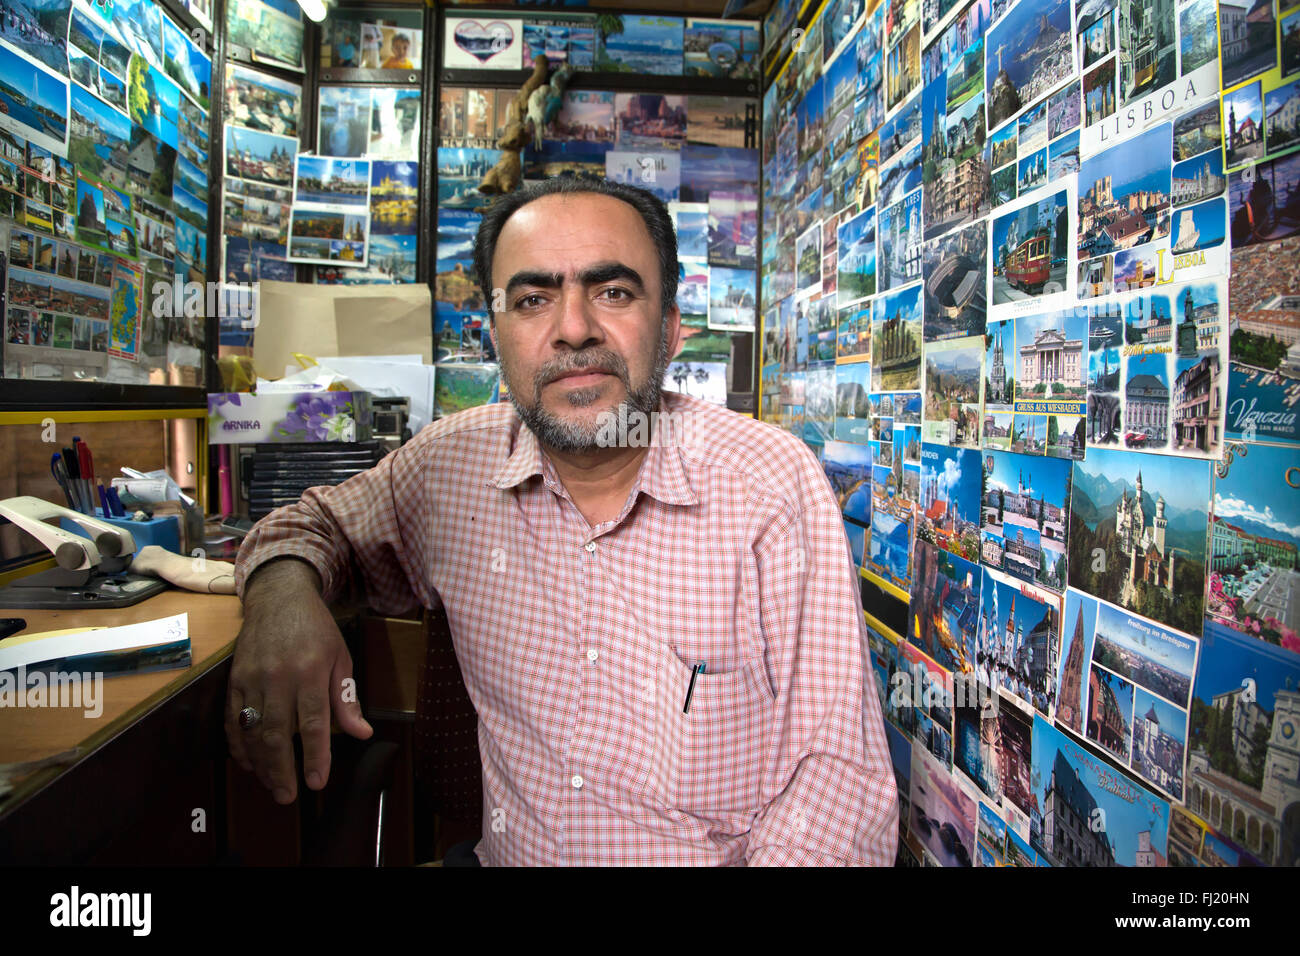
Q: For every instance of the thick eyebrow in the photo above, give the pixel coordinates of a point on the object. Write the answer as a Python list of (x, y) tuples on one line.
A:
[(608, 271), (543, 280), (602, 272)]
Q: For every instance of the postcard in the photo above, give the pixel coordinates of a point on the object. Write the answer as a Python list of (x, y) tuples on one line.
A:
[(856, 263), (949, 508), (1026, 507), (1125, 687), (854, 341), (481, 43), (328, 237), (1031, 254), (852, 409), (1133, 80), (329, 222), (394, 187), (889, 558), (1017, 642), (1261, 403), (956, 294), (943, 614), (38, 108), (1254, 536), (991, 838), (942, 816), (1030, 54), (394, 124), (900, 259), (732, 299), (848, 467), (124, 327), (1128, 824), (343, 121), (992, 748), (956, 173), (641, 44), (808, 256), (720, 48), (732, 229), (896, 340), (692, 223), (459, 173), (1243, 713), (954, 385), (903, 63), (703, 380)]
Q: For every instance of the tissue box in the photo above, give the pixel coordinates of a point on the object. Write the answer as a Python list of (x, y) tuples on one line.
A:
[(239, 418), (164, 532)]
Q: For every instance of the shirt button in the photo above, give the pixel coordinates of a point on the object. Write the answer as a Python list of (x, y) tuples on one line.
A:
[(592, 655), (590, 545), (576, 780)]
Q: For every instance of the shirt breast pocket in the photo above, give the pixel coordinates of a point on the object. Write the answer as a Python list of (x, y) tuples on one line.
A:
[(709, 760)]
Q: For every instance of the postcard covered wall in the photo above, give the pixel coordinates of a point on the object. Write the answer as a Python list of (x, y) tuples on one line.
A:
[(117, 180)]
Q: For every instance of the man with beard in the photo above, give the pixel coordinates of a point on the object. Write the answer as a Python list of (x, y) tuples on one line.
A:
[(658, 625)]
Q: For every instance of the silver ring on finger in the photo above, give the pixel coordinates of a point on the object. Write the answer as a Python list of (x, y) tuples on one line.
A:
[(249, 718)]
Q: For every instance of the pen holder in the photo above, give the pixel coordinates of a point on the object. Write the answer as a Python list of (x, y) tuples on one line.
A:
[(164, 532)]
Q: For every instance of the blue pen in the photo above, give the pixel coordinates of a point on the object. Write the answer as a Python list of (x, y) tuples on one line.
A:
[(103, 500), (119, 509), (696, 671)]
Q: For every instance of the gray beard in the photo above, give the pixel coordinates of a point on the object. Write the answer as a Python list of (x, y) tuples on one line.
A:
[(577, 438)]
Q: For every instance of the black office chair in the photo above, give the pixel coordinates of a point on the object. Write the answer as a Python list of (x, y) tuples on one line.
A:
[(346, 826)]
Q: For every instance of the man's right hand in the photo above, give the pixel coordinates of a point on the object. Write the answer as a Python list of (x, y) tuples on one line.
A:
[(292, 665)]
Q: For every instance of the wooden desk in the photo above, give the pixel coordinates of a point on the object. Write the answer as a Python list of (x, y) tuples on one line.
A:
[(146, 763), (26, 734), (157, 755)]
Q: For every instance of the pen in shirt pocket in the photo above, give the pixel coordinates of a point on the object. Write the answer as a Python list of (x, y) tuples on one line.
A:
[(696, 671)]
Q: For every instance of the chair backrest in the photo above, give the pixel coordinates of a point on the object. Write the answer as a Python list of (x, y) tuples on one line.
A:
[(448, 771), (344, 827)]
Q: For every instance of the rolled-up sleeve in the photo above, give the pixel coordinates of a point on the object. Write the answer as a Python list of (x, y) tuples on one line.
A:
[(362, 536), (828, 790)]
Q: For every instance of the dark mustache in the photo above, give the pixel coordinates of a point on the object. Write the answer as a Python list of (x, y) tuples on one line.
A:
[(600, 360)]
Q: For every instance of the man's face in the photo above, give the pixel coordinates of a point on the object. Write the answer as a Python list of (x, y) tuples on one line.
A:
[(582, 331)]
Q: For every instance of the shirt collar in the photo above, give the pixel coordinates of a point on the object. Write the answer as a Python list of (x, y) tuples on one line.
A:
[(662, 474)]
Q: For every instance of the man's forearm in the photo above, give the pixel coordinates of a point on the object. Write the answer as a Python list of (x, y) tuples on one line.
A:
[(350, 534), (280, 579)]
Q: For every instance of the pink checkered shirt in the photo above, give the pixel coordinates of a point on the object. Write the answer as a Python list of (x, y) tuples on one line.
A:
[(577, 642)]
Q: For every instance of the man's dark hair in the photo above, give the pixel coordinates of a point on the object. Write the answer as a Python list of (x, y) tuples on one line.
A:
[(652, 209)]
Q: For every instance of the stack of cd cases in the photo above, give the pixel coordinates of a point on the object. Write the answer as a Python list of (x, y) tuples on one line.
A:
[(273, 475)]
